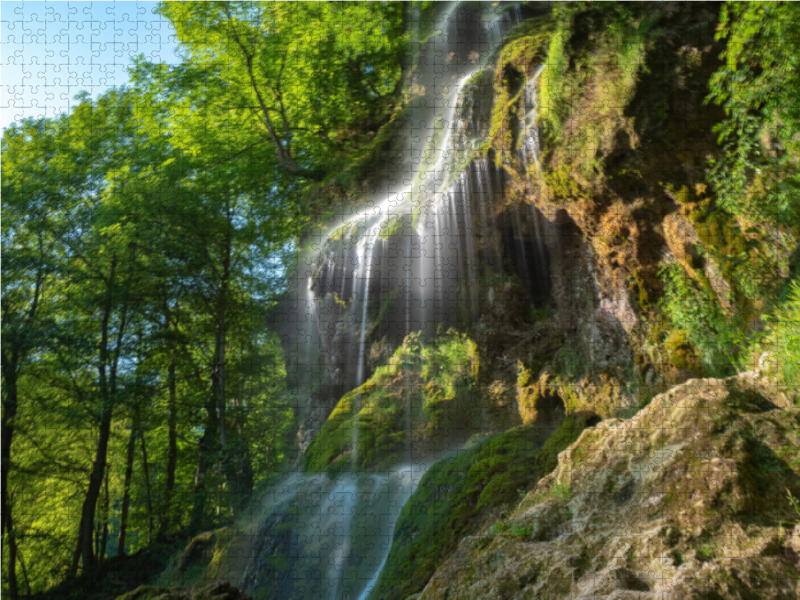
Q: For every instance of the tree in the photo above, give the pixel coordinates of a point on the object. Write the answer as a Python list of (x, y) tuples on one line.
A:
[(308, 79), (28, 245)]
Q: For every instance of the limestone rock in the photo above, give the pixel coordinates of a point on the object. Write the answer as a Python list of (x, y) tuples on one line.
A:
[(687, 499)]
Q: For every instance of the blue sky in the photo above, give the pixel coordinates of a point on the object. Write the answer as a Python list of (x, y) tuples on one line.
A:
[(53, 50)]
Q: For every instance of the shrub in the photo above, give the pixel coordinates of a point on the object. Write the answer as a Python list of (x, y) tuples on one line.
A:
[(697, 313), (781, 340)]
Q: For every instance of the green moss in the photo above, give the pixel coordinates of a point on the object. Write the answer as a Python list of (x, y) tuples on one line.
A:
[(527, 44), (378, 317), (458, 493), (561, 183), (394, 226), (144, 592), (523, 50), (218, 590), (208, 556), (343, 232), (594, 59), (434, 381), (549, 90)]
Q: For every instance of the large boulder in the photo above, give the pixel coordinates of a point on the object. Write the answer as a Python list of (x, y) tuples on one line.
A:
[(693, 497)]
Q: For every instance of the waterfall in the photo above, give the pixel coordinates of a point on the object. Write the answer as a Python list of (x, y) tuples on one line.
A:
[(530, 155), (328, 537), (423, 250)]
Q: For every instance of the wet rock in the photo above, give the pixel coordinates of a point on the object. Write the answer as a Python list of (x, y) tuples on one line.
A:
[(690, 498), (219, 590)]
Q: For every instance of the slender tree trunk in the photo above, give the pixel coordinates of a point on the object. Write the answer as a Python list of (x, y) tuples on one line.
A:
[(97, 530), (172, 453), (13, 591), (76, 559), (104, 537), (86, 528), (208, 447), (107, 369), (272, 445), (12, 362), (222, 316), (126, 494), (214, 437), (147, 490), (7, 432), (220, 383), (24, 574)]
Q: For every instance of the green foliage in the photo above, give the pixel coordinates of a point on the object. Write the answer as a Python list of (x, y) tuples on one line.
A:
[(459, 493), (427, 384), (749, 227), (144, 240), (568, 362), (758, 86), (309, 78), (748, 259), (715, 335), (515, 531), (116, 575), (794, 502), (589, 44), (561, 490), (781, 340), (129, 261)]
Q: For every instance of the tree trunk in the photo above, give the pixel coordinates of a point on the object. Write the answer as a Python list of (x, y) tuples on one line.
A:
[(24, 573), (97, 533), (7, 432), (147, 491), (222, 307), (272, 445), (126, 495), (172, 453), (12, 362), (104, 537), (86, 528), (107, 370)]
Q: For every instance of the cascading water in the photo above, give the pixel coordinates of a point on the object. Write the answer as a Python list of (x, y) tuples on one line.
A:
[(327, 536), (421, 256), (529, 152)]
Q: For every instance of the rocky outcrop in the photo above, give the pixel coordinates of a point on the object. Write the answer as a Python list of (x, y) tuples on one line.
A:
[(219, 590), (693, 497), (210, 556)]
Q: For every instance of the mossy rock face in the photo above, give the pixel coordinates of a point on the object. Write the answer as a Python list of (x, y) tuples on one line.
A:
[(690, 498), (209, 556), (428, 386), (459, 493), (219, 590)]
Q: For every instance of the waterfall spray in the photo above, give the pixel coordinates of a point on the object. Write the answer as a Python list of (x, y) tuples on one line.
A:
[(328, 536)]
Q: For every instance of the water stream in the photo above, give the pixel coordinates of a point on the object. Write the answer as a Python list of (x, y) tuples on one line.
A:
[(422, 254), (328, 536)]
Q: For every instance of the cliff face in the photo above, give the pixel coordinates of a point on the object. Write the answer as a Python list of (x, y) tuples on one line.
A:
[(623, 124), (539, 333), (691, 498)]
